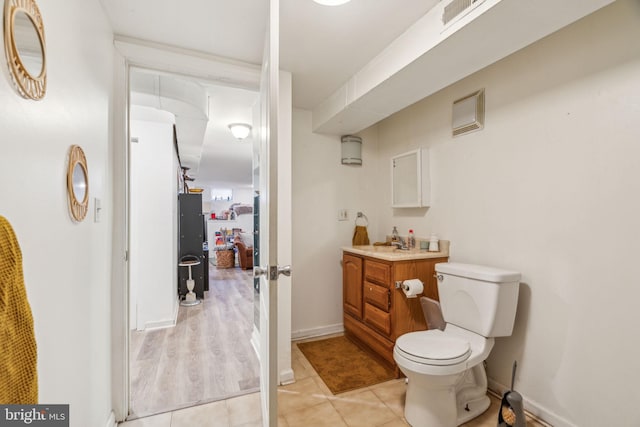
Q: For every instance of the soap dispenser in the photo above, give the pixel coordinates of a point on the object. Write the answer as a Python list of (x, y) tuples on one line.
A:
[(394, 235)]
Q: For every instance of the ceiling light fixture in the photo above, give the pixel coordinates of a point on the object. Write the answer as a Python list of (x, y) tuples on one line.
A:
[(332, 2), (240, 130)]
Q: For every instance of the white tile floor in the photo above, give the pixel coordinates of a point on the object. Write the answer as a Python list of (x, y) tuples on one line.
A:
[(309, 403)]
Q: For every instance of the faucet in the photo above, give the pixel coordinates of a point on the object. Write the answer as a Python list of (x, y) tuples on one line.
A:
[(399, 243)]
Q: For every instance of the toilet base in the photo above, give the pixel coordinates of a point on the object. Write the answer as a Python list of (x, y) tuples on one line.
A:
[(472, 409), (447, 400), (433, 405)]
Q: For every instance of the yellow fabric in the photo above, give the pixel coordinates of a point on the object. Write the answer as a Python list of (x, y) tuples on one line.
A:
[(18, 357), (360, 236)]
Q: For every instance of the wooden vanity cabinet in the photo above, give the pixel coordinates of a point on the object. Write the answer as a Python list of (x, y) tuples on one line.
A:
[(352, 285), (375, 312)]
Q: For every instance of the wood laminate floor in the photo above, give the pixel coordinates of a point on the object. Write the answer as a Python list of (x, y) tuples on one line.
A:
[(206, 357)]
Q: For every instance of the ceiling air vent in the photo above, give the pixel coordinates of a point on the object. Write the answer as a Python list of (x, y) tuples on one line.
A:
[(456, 8)]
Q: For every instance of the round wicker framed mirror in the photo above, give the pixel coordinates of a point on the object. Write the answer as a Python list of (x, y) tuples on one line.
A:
[(25, 48), (78, 183)]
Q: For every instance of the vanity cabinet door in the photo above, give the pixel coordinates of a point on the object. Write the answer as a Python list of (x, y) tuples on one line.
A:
[(352, 285)]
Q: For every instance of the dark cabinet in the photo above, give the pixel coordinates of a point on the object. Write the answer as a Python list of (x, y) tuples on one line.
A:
[(192, 234)]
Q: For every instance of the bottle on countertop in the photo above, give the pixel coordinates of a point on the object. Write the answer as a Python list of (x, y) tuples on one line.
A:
[(411, 240), (395, 237)]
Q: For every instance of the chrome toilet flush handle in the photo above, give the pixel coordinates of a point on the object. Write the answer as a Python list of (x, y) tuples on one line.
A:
[(440, 277)]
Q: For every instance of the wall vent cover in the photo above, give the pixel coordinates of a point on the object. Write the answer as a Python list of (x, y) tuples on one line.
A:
[(456, 8), (468, 113)]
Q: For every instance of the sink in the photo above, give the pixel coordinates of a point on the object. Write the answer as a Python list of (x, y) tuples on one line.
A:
[(384, 248)]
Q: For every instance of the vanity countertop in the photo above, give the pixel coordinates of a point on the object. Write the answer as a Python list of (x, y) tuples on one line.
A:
[(391, 253)]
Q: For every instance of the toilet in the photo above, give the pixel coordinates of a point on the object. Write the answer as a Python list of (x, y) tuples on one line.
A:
[(447, 383)]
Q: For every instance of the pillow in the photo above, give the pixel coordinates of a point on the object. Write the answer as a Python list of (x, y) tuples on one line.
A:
[(247, 239)]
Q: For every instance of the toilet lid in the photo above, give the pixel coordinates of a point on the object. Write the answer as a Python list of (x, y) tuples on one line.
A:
[(433, 348)]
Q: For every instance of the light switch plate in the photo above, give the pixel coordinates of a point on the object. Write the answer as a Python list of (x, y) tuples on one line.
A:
[(97, 210), (343, 215)]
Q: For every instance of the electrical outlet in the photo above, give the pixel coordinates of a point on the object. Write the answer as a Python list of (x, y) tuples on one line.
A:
[(343, 215)]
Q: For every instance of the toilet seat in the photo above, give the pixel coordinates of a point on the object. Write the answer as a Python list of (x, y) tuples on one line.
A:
[(433, 347)]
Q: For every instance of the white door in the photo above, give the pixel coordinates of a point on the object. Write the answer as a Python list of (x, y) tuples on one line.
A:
[(268, 270)]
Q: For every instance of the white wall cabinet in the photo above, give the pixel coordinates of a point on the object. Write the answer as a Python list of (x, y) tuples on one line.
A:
[(410, 183)]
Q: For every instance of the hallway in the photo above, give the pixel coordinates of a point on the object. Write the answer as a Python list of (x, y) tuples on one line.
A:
[(206, 357)]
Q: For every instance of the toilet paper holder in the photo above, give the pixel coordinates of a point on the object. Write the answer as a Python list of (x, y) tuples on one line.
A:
[(411, 287), (398, 284)]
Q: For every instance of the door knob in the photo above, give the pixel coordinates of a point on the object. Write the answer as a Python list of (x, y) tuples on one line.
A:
[(286, 270), (259, 271), (272, 271)]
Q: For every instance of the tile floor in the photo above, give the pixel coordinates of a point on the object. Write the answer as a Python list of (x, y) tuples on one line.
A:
[(309, 403)]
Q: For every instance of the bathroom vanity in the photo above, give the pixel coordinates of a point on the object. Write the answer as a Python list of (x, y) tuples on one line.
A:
[(376, 313)]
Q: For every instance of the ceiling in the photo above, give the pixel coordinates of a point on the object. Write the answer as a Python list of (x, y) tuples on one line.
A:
[(321, 46), (352, 64)]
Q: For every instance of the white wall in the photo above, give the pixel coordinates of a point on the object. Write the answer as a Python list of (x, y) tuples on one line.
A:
[(242, 195), (153, 220), (321, 187), (549, 188), (66, 264)]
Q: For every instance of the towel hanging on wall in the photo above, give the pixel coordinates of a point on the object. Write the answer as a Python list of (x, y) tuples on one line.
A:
[(18, 357), (360, 235)]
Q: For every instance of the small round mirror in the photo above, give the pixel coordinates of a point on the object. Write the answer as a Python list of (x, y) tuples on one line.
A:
[(25, 47), (79, 182), (28, 44)]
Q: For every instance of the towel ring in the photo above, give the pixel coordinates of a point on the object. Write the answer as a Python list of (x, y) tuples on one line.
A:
[(362, 216)]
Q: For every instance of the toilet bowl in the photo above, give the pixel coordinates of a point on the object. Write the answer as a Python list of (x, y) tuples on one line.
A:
[(447, 383)]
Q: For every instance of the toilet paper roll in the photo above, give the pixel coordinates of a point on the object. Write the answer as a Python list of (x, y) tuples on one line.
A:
[(412, 287)]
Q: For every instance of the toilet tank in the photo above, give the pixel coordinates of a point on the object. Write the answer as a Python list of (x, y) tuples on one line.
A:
[(478, 298)]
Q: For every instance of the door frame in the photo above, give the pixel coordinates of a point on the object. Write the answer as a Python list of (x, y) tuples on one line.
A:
[(129, 54)]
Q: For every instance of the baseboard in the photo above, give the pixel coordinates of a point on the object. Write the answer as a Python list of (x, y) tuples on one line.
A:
[(317, 332), (168, 323), (533, 408), (287, 377), (160, 324), (111, 421)]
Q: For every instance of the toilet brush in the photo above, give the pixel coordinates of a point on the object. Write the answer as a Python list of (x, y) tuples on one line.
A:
[(511, 412)]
